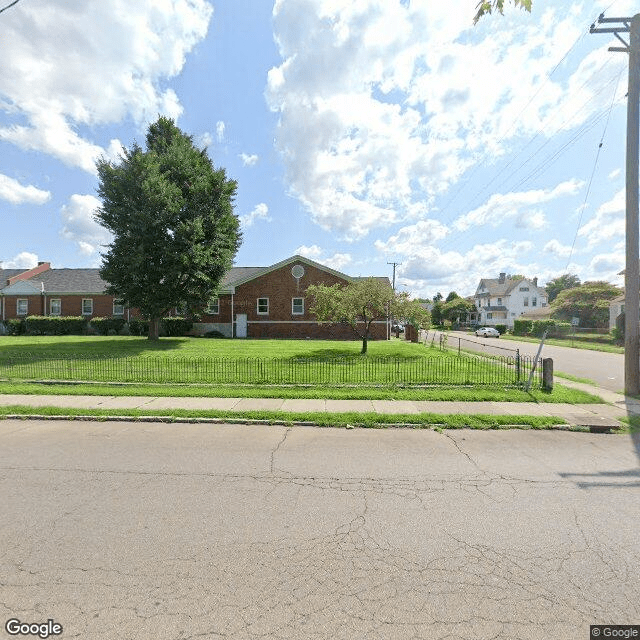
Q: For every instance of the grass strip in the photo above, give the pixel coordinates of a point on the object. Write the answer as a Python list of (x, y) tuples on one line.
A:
[(559, 394), (344, 420), (577, 343)]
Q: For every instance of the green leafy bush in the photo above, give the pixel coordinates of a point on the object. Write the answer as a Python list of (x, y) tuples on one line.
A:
[(501, 328), (14, 327), (522, 327), (176, 326), (104, 326), (138, 327), (55, 325)]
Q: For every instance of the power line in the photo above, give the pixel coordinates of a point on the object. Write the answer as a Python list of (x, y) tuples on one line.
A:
[(9, 5), (595, 164)]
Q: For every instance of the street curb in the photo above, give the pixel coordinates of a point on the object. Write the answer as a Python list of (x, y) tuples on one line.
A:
[(290, 423)]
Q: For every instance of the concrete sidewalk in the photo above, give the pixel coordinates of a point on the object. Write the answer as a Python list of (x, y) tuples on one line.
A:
[(596, 416)]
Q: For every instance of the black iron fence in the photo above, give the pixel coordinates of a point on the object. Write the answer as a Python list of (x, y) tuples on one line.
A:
[(446, 369)]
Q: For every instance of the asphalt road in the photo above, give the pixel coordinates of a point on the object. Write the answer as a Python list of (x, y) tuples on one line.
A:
[(160, 531), (605, 369)]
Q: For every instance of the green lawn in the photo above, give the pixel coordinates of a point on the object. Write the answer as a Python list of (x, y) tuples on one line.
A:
[(595, 342), (193, 360)]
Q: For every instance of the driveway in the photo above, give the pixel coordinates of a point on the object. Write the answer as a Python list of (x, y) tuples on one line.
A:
[(605, 369), (168, 531)]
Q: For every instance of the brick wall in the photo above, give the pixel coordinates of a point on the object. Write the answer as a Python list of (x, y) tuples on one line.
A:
[(71, 305)]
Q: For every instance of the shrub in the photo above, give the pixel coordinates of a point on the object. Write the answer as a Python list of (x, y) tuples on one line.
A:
[(176, 326), (501, 328), (138, 327), (538, 327), (522, 327), (214, 334), (14, 327), (104, 326), (55, 325)]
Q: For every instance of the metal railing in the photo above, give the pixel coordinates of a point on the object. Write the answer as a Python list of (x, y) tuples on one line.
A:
[(450, 369)]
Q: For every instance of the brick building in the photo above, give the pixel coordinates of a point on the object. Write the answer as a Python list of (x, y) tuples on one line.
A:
[(43, 291), (253, 302)]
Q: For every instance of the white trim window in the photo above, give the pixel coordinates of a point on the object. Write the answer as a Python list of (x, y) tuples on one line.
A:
[(262, 306), (297, 306), (55, 307), (118, 308), (87, 306), (213, 308), (22, 306)]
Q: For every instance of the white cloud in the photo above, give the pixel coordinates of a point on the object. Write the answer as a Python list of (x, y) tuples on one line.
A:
[(80, 227), (614, 174), (521, 205), (557, 249), (15, 193), (384, 105), (78, 64), (337, 261), (607, 224), (24, 260), (205, 140), (414, 239), (220, 128), (249, 160), (260, 212)]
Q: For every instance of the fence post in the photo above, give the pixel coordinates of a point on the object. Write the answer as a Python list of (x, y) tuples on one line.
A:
[(518, 365), (547, 374)]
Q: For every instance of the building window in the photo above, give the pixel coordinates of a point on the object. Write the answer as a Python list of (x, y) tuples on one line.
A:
[(87, 306), (118, 308), (22, 306), (534, 302), (499, 302), (297, 306), (263, 306), (489, 316), (55, 307), (214, 307), (526, 301), (524, 288)]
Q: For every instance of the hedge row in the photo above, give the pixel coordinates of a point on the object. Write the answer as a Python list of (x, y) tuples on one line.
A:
[(536, 328), (77, 325)]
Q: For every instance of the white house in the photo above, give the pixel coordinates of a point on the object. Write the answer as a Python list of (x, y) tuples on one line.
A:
[(503, 300)]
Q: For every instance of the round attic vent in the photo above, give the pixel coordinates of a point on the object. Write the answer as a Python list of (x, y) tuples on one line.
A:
[(297, 271)]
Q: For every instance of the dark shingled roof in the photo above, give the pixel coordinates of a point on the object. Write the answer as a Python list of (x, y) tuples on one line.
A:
[(86, 281)]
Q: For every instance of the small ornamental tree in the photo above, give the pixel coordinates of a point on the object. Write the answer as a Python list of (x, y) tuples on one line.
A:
[(175, 234), (362, 302)]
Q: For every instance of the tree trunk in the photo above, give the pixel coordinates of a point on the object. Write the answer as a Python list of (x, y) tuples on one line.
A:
[(154, 329), (364, 346)]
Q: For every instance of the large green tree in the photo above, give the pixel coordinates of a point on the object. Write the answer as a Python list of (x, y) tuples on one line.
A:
[(362, 302), (175, 234), (589, 302), (565, 281)]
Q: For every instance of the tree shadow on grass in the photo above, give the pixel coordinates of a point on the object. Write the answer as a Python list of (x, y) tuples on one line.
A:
[(352, 353), (94, 347)]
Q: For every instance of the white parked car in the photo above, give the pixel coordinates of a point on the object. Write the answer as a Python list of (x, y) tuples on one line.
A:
[(488, 332)]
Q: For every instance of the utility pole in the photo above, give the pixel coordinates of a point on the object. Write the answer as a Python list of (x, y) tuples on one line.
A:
[(395, 264), (632, 268)]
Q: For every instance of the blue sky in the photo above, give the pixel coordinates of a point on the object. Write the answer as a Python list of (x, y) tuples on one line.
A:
[(361, 132)]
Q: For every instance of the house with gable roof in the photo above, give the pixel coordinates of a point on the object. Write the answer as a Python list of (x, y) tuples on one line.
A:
[(502, 300), (270, 302), (253, 302)]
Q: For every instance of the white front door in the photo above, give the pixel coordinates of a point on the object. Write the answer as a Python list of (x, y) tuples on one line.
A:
[(241, 325)]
